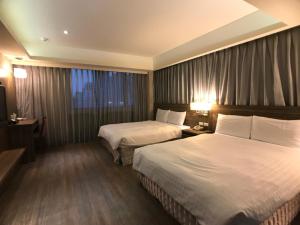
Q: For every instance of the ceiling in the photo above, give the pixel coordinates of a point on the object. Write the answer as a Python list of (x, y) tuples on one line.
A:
[(119, 33)]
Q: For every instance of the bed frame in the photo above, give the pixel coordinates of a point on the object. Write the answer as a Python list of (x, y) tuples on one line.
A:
[(284, 215)]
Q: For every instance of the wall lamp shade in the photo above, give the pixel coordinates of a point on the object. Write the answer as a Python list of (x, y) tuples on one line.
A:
[(201, 106), (3, 72), (20, 73)]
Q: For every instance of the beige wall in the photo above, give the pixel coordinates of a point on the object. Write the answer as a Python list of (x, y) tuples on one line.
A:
[(8, 82)]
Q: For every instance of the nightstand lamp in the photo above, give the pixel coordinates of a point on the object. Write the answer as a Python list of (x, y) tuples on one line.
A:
[(201, 108)]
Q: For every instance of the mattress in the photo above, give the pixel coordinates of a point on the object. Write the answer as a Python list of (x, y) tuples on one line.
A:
[(221, 179), (283, 215), (139, 133)]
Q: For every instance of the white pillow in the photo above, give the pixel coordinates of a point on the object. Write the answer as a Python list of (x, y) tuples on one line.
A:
[(280, 132), (176, 118), (162, 115), (238, 126)]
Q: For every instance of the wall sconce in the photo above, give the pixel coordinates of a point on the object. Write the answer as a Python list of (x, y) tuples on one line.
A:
[(201, 107), (3, 73), (20, 73)]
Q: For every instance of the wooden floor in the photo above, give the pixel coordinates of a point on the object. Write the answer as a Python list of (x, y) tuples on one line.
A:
[(79, 185)]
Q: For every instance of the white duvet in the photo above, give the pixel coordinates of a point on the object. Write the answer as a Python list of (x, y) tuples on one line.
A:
[(139, 133), (223, 179)]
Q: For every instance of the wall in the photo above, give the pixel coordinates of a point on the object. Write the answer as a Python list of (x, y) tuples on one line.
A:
[(7, 80)]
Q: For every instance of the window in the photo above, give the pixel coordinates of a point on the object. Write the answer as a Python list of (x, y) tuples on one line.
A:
[(94, 89), (82, 89)]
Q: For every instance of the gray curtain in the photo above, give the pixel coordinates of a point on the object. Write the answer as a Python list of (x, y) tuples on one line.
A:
[(47, 92), (260, 72), (76, 102), (104, 97)]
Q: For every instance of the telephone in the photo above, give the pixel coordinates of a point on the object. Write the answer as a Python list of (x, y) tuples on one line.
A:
[(200, 126)]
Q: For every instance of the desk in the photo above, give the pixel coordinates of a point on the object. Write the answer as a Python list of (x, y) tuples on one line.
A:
[(21, 135)]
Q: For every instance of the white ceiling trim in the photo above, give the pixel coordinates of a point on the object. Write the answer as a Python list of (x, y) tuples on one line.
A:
[(288, 11), (87, 56), (250, 26), (67, 64)]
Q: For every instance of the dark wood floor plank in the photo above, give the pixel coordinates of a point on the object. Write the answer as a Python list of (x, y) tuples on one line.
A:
[(78, 184)]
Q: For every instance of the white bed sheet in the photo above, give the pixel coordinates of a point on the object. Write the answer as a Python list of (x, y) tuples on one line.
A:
[(223, 179), (139, 133)]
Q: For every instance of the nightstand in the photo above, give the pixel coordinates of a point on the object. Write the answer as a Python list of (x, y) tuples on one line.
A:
[(191, 132)]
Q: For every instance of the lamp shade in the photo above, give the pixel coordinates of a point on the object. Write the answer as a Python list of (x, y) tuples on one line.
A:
[(201, 106), (3, 72), (20, 73)]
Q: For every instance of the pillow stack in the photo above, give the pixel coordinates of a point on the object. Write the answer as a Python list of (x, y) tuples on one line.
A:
[(162, 115), (274, 131), (168, 116), (238, 126)]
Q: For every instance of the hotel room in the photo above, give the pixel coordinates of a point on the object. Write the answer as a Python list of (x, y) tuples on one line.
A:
[(150, 112)]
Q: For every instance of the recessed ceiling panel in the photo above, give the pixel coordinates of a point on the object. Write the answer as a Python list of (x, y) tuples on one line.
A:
[(138, 27)]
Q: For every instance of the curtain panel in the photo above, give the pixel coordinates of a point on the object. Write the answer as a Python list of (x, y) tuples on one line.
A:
[(261, 72), (76, 101)]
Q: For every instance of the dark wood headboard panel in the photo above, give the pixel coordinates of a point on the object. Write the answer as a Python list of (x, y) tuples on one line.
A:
[(276, 112), (191, 117)]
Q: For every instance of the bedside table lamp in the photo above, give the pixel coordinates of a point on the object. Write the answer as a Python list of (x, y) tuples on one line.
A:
[(201, 108)]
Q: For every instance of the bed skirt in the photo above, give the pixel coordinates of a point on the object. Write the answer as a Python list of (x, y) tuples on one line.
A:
[(282, 216), (123, 155)]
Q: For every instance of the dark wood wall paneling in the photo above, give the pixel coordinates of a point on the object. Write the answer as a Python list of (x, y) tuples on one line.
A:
[(192, 118), (276, 112)]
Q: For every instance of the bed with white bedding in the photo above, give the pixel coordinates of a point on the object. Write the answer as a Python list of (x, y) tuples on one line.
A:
[(121, 139), (220, 179), (247, 173)]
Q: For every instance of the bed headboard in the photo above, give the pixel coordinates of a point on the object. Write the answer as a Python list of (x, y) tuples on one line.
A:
[(191, 117), (276, 112)]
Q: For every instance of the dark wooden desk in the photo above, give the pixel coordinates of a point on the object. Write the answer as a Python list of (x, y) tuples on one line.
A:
[(21, 135)]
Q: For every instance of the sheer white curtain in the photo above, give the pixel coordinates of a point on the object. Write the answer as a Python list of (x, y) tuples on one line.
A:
[(76, 102)]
